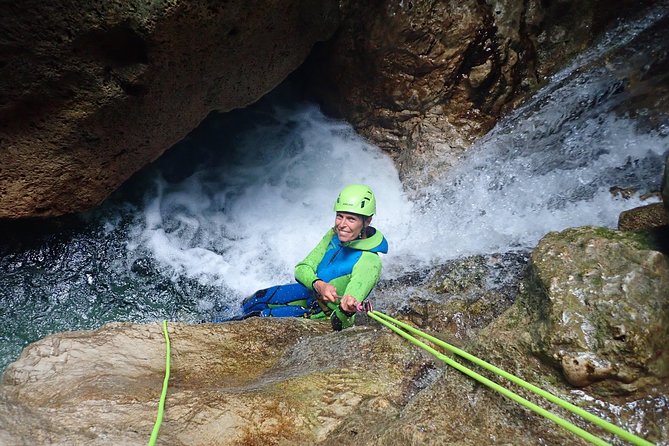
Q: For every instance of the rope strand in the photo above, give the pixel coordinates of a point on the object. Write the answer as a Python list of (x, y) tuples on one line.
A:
[(163, 395), (389, 321)]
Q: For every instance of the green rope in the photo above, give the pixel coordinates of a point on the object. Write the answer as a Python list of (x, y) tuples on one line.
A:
[(504, 391), (493, 385), (547, 395), (161, 404)]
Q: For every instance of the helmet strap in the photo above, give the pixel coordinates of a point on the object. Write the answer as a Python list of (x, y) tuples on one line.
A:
[(365, 224)]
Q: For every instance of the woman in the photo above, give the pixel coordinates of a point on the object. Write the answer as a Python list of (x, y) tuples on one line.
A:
[(338, 274)]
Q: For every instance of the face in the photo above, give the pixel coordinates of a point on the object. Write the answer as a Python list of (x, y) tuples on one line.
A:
[(348, 226)]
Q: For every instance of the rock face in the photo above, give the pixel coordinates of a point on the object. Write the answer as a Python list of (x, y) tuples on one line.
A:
[(235, 383), (255, 382), (258, 381), (456, 299), (599, 322), (424, 79), (89, 96), (91, 93), (599, 304)]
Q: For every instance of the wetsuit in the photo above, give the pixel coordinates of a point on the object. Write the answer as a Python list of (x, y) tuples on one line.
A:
[(352, 268)]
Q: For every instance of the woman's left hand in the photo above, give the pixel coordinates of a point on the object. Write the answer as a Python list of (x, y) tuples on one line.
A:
[(348, 303)]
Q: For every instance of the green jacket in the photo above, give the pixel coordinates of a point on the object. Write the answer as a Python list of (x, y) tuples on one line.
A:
[(352, 268)]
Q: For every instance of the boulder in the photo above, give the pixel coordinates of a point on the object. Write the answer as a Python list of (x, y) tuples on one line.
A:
[(644, 217), (90, 92), (598, 306)]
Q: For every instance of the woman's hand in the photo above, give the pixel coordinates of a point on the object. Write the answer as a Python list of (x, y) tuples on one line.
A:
[(327, 292), (348, 303)]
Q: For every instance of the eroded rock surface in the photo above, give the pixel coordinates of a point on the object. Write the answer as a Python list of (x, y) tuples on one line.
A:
[(458, 298), (424, 79), (259, 381), (255, 382), (599, 304), (92, 92)]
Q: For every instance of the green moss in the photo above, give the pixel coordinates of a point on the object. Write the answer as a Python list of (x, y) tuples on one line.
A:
[(597, 281), (550, 381), (641, 239), (607, 233), (513, 317)]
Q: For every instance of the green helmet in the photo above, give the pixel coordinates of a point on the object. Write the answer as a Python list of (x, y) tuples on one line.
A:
[(356, 199)]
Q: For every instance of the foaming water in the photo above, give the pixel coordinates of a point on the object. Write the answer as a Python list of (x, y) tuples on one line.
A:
[(551, 164), (244, 220), (241, 222), (512, 191)]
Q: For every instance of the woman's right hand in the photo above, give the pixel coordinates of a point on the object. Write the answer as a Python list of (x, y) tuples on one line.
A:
[(327, 292)]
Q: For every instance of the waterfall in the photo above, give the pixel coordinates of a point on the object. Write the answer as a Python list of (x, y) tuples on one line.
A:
[(235, 205)]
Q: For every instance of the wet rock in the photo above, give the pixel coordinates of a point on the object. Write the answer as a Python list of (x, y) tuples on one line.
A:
[(623, 192), (644, 217), (398, 72), (92, 92), (424, 79), (458, 298), (293, 381), (255, 381), (454, 410), (598, 302), (665, 185), (510, 344), (586, 318)]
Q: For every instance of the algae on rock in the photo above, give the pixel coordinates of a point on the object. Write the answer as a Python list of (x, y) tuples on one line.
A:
[(599, 306)]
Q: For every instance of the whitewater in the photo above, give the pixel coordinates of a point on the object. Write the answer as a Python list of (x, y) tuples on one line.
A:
[(235, 205)]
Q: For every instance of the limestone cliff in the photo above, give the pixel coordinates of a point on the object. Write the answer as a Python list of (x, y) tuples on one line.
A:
[(90, 92)]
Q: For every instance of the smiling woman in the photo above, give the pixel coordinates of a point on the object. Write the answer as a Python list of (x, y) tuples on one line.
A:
[(338, 274), (355, 206), (349, 226)]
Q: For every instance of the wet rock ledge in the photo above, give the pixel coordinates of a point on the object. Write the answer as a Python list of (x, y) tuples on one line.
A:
[(587, 325)]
